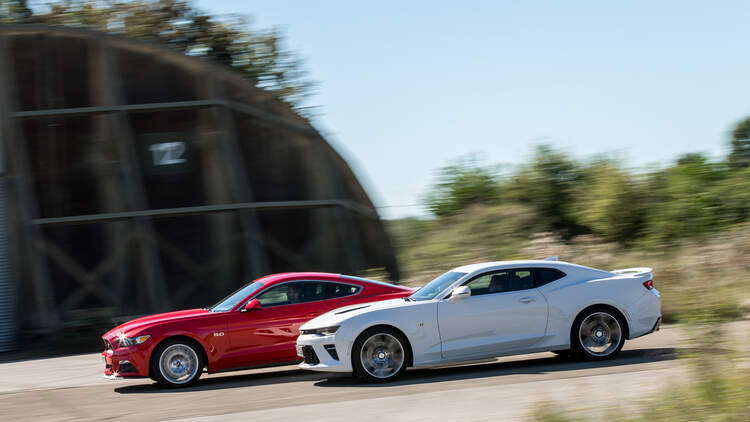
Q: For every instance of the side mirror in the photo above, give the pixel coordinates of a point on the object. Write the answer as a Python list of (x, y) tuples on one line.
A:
[(249, 306), (460, 292)]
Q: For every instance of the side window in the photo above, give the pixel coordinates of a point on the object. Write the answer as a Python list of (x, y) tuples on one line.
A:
[(543, 276), (277, 295), (480, 285), (304, 291), (291, 293), (501, 281), (336, 290)]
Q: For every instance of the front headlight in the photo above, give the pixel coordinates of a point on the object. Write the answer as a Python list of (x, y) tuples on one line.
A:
[(131, 341), (325, 331)]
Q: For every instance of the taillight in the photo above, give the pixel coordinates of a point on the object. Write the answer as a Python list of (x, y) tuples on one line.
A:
[(648, 284)]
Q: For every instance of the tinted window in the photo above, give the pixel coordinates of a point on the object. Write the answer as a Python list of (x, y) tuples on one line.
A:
[(501, 281), (304, 291), (232, 300), (543, 276), (433, 288), (335, 290)]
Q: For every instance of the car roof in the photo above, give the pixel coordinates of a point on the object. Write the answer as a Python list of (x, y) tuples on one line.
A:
[(281, 277), (528, 262), (274, 278)]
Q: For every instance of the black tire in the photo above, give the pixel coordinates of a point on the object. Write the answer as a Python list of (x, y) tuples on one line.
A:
[(389, 355), (173, 353), (597, 334), (564, 354)]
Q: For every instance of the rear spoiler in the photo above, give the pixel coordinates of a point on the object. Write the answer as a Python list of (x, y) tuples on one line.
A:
[(634, 272)]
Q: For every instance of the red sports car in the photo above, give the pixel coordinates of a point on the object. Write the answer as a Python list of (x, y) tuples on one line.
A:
[(255, 326)]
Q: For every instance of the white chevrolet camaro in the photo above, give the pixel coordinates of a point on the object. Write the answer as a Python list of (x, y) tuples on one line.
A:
[(486, 310)]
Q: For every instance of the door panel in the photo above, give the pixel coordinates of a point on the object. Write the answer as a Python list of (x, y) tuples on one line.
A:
[(269, 334), (493, 323), (266, 335)]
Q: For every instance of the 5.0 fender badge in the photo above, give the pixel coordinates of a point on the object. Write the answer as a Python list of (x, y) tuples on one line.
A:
[(219, 334)]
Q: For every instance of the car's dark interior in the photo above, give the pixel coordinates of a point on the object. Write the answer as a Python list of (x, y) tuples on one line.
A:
[(506, 281), (305, 292)]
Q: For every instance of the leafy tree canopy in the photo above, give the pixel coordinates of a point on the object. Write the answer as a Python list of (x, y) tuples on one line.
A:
[(740, 155), (258, 56), (548, 183), (461, 184)]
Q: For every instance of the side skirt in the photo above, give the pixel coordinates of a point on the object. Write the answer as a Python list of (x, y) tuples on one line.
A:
[(268, 365), (487, 358)]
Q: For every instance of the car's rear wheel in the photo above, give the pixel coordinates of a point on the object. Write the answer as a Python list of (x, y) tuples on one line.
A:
[(598, 334), (380, 354), (177, 363)]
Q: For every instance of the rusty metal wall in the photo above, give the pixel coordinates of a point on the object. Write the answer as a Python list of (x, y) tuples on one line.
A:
[(143, 180)]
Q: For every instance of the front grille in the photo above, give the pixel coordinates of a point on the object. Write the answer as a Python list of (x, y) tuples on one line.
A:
[(308, 353), (125, 367), (331, 349)]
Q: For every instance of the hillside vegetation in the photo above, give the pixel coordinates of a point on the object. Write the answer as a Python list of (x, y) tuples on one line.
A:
[(688, 221), (703, 278)]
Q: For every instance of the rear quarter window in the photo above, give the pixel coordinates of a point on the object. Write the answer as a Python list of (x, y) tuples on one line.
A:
[(544, 276), (336, 290)]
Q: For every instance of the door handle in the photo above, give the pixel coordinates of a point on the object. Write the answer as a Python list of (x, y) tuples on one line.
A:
[(526, 299)]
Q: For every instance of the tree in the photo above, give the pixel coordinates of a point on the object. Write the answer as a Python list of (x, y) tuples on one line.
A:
[(683, 201), (610, 203), (460, 185), (14, 11), (258, 56), (740, 155), (548, 185)]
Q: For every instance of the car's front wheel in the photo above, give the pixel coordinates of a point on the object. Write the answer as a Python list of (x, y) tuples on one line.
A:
[(177, 363), (380, 354), (598, 334)]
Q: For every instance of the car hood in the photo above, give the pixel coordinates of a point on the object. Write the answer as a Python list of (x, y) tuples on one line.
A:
[(151, 320), (337, 316)]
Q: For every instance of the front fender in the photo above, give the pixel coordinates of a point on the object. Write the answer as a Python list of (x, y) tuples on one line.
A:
[(418, 323)]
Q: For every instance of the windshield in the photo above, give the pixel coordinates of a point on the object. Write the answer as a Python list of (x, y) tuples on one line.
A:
[(232, 300), (433, 288)]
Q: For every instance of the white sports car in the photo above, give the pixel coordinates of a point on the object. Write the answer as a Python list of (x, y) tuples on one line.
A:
[(486, 310)]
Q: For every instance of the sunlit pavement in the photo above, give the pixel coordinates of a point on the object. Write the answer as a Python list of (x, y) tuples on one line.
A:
[(72, 388)]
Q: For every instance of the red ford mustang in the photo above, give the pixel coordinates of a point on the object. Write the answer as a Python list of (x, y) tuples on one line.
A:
[(253, 327)]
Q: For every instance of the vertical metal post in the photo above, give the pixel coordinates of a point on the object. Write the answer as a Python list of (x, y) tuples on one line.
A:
[(238, 176), (45, 315), (222, 226), (343, 222), (117, 234), (328, 232), (110, 93), (7, 304)]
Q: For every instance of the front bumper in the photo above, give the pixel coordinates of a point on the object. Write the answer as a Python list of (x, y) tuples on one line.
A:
[(125, 362), (323, 353)]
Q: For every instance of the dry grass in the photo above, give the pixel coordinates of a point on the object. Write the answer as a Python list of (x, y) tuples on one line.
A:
[(703, 279), (718, 390)]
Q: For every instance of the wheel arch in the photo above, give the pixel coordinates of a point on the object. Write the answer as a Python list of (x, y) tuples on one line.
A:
[(612, 308), (185, 337), (409, 363)]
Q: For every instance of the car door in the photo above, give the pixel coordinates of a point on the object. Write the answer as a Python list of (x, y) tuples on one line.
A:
[(504, 312), (268, 335)]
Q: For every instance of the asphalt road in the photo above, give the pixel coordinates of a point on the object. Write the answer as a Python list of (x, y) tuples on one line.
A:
[(72, 388)]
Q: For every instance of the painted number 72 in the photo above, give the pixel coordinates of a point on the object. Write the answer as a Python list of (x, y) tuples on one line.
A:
[(168, 153)]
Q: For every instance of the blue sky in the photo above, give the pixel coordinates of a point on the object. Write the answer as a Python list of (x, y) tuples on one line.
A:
[(406, 87)]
